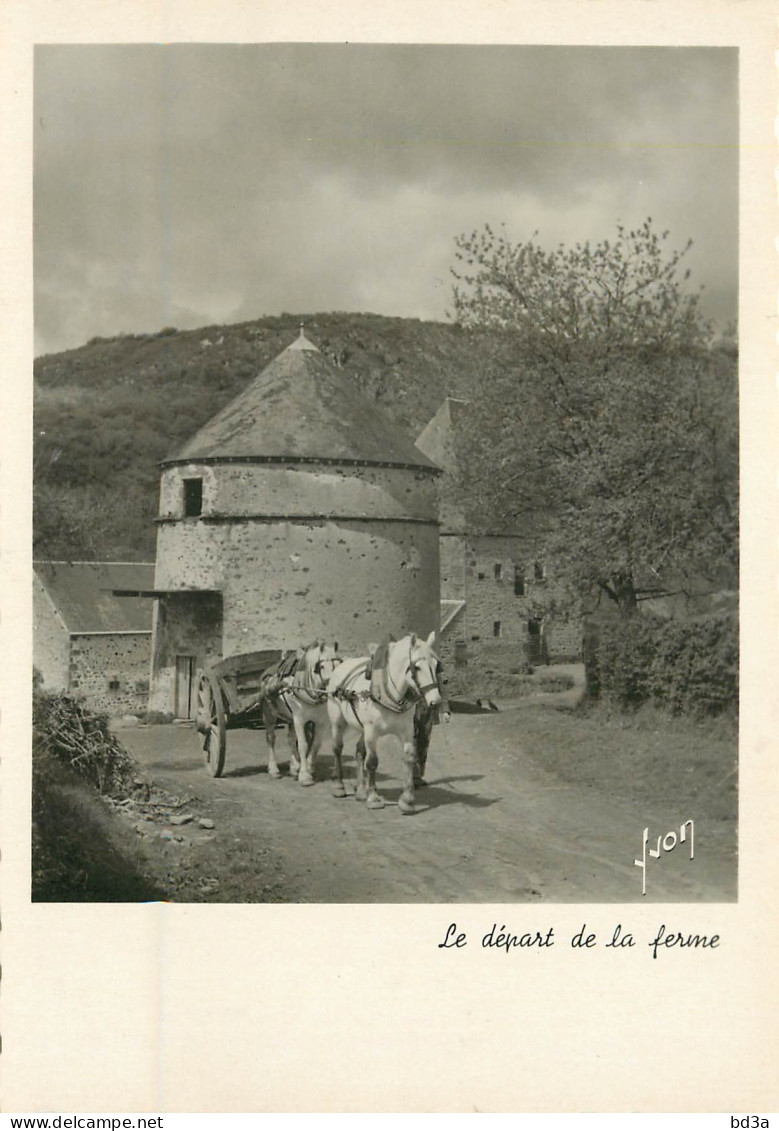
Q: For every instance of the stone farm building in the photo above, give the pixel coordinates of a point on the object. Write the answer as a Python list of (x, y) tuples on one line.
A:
[(298, 512), (494, 592), (89, 643)]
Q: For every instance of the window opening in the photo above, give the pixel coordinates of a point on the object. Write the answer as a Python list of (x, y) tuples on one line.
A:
[(193, 497)]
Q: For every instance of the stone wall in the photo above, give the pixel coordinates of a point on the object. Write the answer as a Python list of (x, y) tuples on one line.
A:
[(51, 640), (284, 583), (452, 552), (185, 624), (237, 489), (564, 639), (491, 600), (503, 596), (110, 671), (346, 553)]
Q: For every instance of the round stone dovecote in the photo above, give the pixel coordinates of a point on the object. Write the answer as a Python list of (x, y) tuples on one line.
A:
[(298, 511)]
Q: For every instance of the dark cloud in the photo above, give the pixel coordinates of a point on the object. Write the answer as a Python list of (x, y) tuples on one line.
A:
[(208, 182)]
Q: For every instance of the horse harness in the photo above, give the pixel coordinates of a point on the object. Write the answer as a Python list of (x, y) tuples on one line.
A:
[(379, 691), (295, 675), (303, 680)]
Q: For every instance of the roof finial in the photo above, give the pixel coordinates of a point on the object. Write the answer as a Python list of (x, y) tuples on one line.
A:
[(302, 342)]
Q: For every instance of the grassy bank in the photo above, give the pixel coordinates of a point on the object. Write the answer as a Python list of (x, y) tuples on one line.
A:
[(81, 850), (646, 757)]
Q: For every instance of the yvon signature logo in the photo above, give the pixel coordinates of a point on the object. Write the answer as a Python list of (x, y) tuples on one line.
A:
[(665, 843)]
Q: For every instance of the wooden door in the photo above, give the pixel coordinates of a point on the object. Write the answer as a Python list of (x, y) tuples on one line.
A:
[(185, 686)]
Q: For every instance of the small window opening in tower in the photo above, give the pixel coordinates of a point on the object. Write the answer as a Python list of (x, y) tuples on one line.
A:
[(496, 629), (519, 581), (498, 571), (193, 497), (539, 572)]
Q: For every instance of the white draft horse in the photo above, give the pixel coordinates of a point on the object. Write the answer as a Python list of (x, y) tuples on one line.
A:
[(294, 691), (376, 695)]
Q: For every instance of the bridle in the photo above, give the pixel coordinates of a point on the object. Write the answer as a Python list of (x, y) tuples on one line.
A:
[(333, 661), (417, 688), (422, 687)]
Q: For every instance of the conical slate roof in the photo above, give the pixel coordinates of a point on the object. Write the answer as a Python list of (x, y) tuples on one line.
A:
[(301, 407), (441, 437)]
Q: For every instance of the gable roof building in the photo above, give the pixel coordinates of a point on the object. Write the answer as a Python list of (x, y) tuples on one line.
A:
[(82, 593), (89, 643)]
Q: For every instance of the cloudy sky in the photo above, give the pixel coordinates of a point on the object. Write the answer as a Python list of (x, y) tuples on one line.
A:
[(191, 184)]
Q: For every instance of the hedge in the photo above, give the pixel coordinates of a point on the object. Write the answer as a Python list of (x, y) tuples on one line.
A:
[(686, 666)]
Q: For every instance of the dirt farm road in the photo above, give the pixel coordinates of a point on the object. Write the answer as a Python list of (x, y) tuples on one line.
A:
[(492, 825)]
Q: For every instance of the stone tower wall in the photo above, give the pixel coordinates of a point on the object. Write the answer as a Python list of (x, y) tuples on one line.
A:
[(285, 582), (348, 553), (238, 489)]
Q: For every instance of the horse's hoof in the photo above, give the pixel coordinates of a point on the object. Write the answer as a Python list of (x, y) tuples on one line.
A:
[(274, 773), (376, 802), (419, 783), (339, 790), (406, 807), (305, 779), (360, 794)]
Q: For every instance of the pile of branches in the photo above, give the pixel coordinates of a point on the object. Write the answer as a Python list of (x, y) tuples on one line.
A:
[(67, 733)]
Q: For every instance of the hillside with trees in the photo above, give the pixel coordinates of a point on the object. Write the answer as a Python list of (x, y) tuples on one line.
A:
[(108, 412)]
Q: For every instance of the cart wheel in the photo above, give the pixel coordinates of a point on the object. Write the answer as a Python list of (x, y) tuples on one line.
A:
[(210, 721)]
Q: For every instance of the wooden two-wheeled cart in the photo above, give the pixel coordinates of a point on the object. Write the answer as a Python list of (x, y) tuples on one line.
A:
[(229, 698)]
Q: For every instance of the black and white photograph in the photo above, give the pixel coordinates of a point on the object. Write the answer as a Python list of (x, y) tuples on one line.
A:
[(386, 445), (389, 559)]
